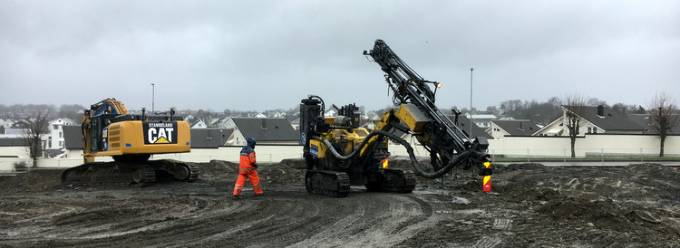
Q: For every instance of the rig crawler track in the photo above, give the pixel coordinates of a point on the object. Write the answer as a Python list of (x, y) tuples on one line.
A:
[(393, 180), (330, 183)]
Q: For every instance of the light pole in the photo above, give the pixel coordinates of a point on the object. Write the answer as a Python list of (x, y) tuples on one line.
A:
[(153, 92), (471, 123)]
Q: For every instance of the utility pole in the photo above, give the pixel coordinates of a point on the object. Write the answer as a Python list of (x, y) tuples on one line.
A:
[(471, 123), (153, 92)]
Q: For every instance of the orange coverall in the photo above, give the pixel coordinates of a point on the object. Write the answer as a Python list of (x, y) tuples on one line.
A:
[(247, 170)]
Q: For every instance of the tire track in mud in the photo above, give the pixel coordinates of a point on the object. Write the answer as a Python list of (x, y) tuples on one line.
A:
[(160, 218), (387, 221)]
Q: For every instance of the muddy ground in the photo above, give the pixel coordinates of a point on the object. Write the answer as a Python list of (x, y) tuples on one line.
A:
[(531, 206)]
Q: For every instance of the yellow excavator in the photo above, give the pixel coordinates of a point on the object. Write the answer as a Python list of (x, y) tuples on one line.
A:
[(339, 152), (109, 130)]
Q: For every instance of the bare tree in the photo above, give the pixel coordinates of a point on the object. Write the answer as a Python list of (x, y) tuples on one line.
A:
[(575, 106), (37, 125), (662, 118)]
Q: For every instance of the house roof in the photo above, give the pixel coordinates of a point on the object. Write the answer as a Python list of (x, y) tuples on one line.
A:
[(65, 121), (209, 137), (20, 124), (73, 137), (464, 124), (517, 127), (192, 121), (611, 121), (645, 121), (13, 142), (266, 129)]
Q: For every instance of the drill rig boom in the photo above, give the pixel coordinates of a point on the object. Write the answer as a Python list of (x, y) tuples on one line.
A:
[(448, 144)]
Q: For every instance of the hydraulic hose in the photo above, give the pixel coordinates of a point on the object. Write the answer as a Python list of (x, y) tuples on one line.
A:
[(423, 173), (414, 161)]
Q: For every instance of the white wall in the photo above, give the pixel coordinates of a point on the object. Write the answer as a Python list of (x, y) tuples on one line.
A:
[(265, 154), (14, 151), (591, 144), (508, 146), (12, 154)]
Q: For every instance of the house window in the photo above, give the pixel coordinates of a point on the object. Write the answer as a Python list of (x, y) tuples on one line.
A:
[(61, 143), (594, 130), (49, 143), (589, 130), (54, 126), (61, 135)]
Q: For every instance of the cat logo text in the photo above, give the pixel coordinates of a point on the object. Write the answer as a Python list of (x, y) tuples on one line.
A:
[(160, 133)]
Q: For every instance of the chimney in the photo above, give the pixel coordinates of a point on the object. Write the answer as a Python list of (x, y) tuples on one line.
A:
[(600, 110)]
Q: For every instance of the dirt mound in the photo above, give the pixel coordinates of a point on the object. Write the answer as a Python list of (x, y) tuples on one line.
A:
[(658, 181), (603, 214), (217, 170), (35, 180), (294, 163), (654, 171), (277, 173)]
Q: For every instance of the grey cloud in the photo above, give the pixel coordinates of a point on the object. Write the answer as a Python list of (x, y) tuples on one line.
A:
[(258, 55)]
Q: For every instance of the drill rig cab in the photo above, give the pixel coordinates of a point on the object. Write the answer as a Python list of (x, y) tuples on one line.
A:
[(338, 154), (109, 130)]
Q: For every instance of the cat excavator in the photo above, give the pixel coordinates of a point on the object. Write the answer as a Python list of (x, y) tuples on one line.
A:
[(340, 153), (109, 130)]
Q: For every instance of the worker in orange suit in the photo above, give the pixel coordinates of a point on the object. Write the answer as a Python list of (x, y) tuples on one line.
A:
[(247, 170)]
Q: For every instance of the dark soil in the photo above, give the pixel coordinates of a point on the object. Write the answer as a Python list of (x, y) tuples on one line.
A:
[(531, 206)]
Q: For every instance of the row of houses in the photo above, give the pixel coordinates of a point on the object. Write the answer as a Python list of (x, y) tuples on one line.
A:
[(599, 119), (593, 120), (52, 142), (64, 135)]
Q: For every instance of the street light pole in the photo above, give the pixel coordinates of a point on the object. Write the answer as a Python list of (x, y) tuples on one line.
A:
[(470, 119), (153, 89)]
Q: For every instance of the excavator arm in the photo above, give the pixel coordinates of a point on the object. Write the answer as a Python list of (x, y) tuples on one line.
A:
[(417, 114)]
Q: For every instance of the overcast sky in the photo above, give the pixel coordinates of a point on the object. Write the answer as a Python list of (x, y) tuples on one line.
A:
[(256, 55)]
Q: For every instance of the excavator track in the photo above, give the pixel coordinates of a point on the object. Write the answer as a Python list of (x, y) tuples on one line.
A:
[(329, 183), (180, 171), (393, 180), (142, 173)]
